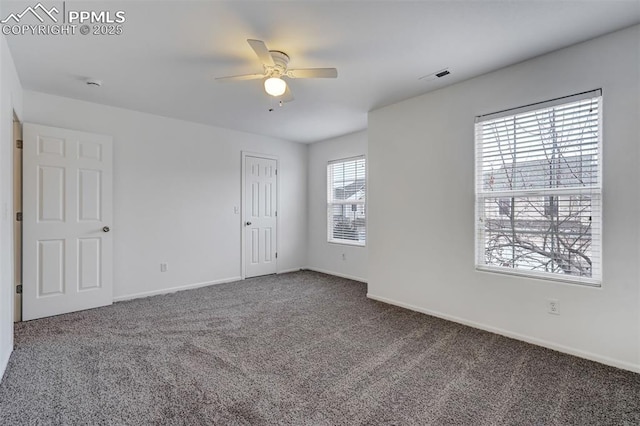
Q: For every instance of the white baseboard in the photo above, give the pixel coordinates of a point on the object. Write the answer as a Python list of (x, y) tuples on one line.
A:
[(533, 340), (337, 274), (286, 271), (174, 289), (4, 361)]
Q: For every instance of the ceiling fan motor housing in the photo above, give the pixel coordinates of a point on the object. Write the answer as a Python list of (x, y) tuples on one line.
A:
[(281, 61)]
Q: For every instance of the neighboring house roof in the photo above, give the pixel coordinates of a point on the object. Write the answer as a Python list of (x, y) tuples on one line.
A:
[(563, 172), (353, 191)]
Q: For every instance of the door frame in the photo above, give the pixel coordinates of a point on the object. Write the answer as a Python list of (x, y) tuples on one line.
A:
[(244, 155), (17, 225)]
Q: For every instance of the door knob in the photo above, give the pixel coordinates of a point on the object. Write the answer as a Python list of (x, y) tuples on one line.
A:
[(105, 229), (248, 223)]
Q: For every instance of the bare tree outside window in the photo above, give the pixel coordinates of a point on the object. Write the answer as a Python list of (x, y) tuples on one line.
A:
[(538, 190)]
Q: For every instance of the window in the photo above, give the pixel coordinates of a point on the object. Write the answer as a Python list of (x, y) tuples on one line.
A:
[(539, 190), (346, 201)]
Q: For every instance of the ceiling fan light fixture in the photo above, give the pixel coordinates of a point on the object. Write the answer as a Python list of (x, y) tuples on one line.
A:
[(275, 86)]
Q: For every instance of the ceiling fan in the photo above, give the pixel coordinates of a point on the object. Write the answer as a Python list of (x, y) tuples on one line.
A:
[(275, 65)]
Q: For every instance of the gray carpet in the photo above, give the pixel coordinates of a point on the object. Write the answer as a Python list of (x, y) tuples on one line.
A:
[(301, 349)]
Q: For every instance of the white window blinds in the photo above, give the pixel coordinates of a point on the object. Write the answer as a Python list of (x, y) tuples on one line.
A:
[(539, 190), (346, 201)]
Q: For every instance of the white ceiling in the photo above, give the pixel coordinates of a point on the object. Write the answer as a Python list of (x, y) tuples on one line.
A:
[(170, 51)]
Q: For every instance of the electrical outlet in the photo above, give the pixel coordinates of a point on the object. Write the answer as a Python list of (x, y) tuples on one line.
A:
[(553, 306), (163, 267), (236, 210)]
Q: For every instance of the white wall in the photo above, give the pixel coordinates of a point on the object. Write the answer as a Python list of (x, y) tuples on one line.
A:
[(323, 256), (10, 101), (175, 187), (421, 157)]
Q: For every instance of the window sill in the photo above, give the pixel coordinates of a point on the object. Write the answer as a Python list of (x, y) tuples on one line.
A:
[(347, 243), (582, 281)]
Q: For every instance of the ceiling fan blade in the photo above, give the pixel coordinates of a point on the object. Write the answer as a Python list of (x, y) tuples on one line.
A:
[(287, 96), (261, 50), (241, 77), (313, 73)]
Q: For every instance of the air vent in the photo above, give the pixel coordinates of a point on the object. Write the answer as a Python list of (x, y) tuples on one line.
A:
[(94, 83), (438, 74)]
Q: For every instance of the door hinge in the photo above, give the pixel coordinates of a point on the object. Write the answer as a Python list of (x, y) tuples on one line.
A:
[(19, 143), (19, 289), (19, 216), (276, 255), (276, 172), (276, 213)]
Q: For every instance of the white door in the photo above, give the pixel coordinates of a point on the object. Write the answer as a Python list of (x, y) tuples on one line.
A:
[(67, 214), (260, 204)]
